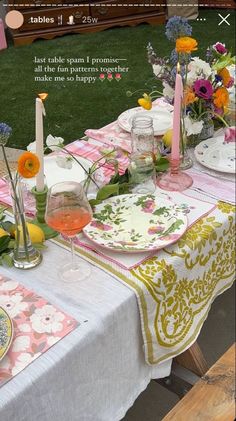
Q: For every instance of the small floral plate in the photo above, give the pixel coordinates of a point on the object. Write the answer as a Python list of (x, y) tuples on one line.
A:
[(6, 332), (162, 119), (217, 155), (134, 223)]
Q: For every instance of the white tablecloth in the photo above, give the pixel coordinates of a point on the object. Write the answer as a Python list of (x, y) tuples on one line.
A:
[(97, 371)]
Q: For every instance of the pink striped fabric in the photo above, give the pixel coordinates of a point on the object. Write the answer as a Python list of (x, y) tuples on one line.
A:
[(92, 153)]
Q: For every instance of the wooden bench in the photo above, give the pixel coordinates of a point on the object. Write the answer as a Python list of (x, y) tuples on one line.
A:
[(212, 398)]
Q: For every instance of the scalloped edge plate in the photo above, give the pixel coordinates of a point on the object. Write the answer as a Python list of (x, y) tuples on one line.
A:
[(9, 326), (217, 155), (135, 222)]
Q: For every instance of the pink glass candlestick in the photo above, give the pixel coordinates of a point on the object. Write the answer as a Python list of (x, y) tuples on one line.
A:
[(174, 179)]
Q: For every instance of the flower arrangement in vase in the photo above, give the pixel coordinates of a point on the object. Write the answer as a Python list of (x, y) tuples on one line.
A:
[(208, 84)]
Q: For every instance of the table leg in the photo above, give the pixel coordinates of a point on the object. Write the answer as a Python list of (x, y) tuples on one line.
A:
[(193, 359)]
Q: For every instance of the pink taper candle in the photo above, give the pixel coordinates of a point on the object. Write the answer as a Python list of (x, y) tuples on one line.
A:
[(39, 111), (177, 115)]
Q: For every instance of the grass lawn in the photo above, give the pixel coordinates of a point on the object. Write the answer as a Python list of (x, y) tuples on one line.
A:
[(74, 106)]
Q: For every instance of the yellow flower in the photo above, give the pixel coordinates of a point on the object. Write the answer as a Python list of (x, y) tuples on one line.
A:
[(167, 138), (145, 102), (225, 75), (28, 165), (186, 45), (221, 98)]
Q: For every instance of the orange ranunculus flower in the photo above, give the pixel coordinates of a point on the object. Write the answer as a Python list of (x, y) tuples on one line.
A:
[(28, 165), (189, 96), (221, 98), (186, 45), (225, 75), (145, 102)]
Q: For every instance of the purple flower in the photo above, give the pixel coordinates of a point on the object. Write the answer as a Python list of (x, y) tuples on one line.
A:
[(220, 48), (203, 88), (218, 78), (177, 27), (5, 132)]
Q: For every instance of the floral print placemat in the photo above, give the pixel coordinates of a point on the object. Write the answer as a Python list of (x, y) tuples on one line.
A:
[(37, 325)]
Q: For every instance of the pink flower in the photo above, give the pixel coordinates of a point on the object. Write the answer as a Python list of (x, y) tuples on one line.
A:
[(220, 48), (109, 76), (155, 230), (230, 135), (203, 88), (230, 83), (170, 237), (149, 206), (100, 226), (102, 77)]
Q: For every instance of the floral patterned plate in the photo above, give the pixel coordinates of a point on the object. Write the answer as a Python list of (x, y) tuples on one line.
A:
[(135, 223), (162, 119), (217, 155), (6, 332)]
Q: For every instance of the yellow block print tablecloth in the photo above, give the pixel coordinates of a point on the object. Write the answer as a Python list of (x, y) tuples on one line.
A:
[(176, 287)]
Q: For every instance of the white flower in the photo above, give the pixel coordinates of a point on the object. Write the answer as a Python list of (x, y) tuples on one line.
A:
[(193, 127), (168, 91), (198, 69), (64, 161), (9, 285), (13, 304), (21, 343), (22, 361), (24, 327), (156, 69), (47, 319), (54, 143), (32, 147)]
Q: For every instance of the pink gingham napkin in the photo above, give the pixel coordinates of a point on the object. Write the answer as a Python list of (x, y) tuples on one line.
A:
[(93, 152), (114, 135), (37, 325)]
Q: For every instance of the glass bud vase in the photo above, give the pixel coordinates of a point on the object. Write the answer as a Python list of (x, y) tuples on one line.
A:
[(25, 256), (206, 132)]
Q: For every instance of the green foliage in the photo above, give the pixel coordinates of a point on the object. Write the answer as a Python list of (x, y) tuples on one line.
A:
[(6, 246)]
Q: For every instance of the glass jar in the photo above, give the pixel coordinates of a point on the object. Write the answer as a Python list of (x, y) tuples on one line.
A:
[(142, 173), (142, 134)]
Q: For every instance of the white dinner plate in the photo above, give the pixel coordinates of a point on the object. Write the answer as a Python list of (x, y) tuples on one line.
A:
[(217, 155), (55, 174), (162, 119)]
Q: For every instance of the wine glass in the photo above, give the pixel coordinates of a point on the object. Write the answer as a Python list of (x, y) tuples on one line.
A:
[(68, 212)]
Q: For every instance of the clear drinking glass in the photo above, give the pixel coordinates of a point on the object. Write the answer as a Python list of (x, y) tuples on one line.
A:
[(68, 212)]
